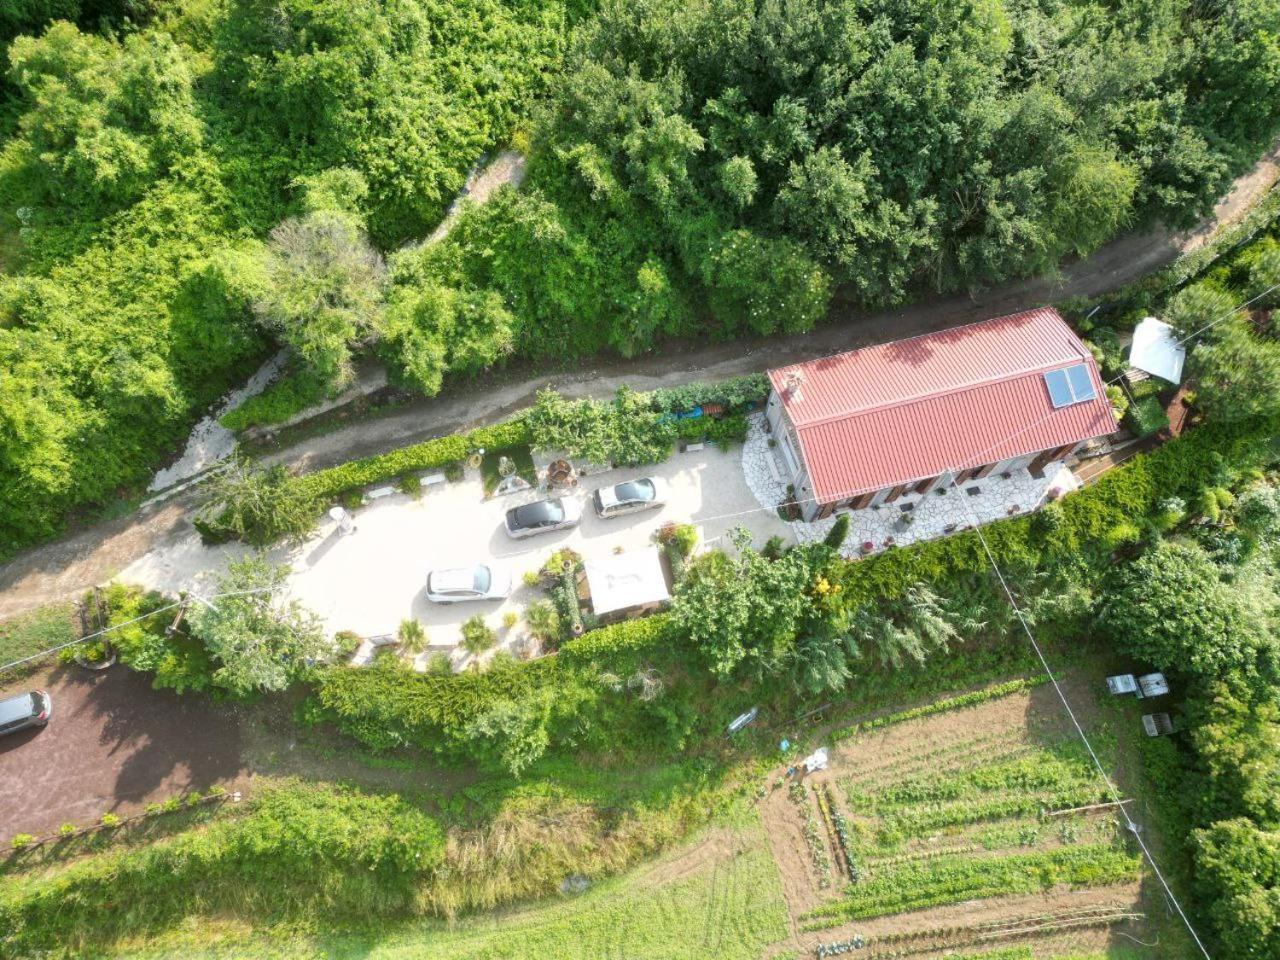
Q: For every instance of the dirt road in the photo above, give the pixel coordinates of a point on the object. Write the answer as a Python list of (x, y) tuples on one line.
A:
[(60, 569), (112, 746)]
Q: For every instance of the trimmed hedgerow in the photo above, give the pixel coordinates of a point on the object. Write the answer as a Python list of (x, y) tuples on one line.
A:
[(429, 455), (627, 639), (733, 394), (1082, 525)]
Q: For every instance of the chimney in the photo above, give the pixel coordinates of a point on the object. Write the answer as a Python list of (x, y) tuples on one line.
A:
[(793, 380)]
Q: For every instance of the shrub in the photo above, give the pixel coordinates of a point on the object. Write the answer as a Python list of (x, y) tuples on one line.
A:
[(477, 637), (439, 665), (1147, 416), (727, 431), (66, 829), (838, 533), (110, 821), (411, 635), (287, 396), (543, 621), (510, 619), (20, 841)]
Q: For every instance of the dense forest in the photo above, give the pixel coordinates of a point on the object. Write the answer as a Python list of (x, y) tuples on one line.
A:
[(183, 184)]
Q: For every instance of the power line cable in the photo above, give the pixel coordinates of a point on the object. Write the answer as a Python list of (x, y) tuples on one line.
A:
[(1075, 722), (125, 623)]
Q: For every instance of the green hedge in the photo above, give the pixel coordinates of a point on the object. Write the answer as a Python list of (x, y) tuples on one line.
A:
[(388, 706), (1146, 417), (295, 847), (1088, 524), (734, 393), (628, 638), (429, 455)]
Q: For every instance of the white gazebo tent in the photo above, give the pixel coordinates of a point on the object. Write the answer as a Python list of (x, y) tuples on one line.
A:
[(622, 581), (1156, 350)]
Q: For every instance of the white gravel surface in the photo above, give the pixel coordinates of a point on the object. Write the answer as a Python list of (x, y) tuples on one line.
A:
[(369, 580)]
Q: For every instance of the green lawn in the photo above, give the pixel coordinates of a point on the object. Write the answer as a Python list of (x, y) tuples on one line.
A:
[(32, 632), (730, 908)]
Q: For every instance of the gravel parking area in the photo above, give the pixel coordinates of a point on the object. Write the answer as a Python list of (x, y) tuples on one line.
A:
[(112, 745), (369, 580)]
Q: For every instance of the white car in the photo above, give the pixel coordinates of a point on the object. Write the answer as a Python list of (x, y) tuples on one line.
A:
[(481, 582), (543, 516), (631, 496)]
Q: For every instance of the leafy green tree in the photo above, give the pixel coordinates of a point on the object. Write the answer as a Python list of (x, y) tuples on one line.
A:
[(1236, 742), (1171, 608), (259, 640), (324, 291), (1238, 878), (743, 615), (1237, 373), (259, 505), (515, 733), (910, 629), (102, 120)]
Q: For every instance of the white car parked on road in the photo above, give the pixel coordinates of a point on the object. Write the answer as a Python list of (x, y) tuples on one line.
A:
[(481, 582)]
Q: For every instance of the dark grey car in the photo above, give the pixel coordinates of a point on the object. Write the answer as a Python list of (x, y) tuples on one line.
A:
[(24, 711), (543, 516)]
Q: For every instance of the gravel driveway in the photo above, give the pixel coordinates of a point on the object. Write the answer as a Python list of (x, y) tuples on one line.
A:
[(369, 580), (113, 744)]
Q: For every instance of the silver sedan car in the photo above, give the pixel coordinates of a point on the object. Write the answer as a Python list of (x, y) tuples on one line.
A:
[(456, 585), (631, 496)]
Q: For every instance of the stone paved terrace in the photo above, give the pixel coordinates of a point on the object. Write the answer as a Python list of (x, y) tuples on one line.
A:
[(932, 514)]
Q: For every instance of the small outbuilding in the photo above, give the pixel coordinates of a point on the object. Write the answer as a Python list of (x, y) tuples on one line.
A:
[(1156, 350), (626, 584)]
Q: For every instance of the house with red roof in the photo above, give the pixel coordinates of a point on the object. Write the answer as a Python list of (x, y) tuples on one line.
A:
[(870, 426)]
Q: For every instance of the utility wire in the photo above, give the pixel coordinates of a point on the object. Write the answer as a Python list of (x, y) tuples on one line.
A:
[(125, 623), (1075, 722)]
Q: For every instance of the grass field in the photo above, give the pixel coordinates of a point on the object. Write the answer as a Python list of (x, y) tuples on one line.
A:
[(29, 633), (938, 831), (717, 896)]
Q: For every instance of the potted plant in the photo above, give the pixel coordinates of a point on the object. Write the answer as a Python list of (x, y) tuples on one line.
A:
[(867, 546)]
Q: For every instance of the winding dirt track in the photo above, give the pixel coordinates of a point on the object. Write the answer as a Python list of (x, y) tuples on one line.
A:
[(63, 568)]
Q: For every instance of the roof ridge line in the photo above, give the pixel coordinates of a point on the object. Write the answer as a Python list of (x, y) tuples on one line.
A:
[(930, 394), (931, 333)]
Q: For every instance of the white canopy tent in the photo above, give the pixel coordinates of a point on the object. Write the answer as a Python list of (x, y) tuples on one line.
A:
[(1156, 350), (623, 580)]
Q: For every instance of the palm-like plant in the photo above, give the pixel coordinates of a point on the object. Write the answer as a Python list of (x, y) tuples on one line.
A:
[(412, 636)]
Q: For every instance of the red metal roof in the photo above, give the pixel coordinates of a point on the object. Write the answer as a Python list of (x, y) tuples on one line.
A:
[(912, 409)]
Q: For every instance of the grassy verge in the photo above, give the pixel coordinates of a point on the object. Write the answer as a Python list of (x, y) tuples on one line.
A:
[(725, 903), (31, 632), (520, 455)]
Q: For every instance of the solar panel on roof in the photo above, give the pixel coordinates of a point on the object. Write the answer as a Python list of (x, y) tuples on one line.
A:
[(1081, 385), (1059, 388), (1069, 386)]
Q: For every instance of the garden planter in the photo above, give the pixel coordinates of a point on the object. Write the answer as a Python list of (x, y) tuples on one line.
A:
[(867, 546), (96, 666)]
